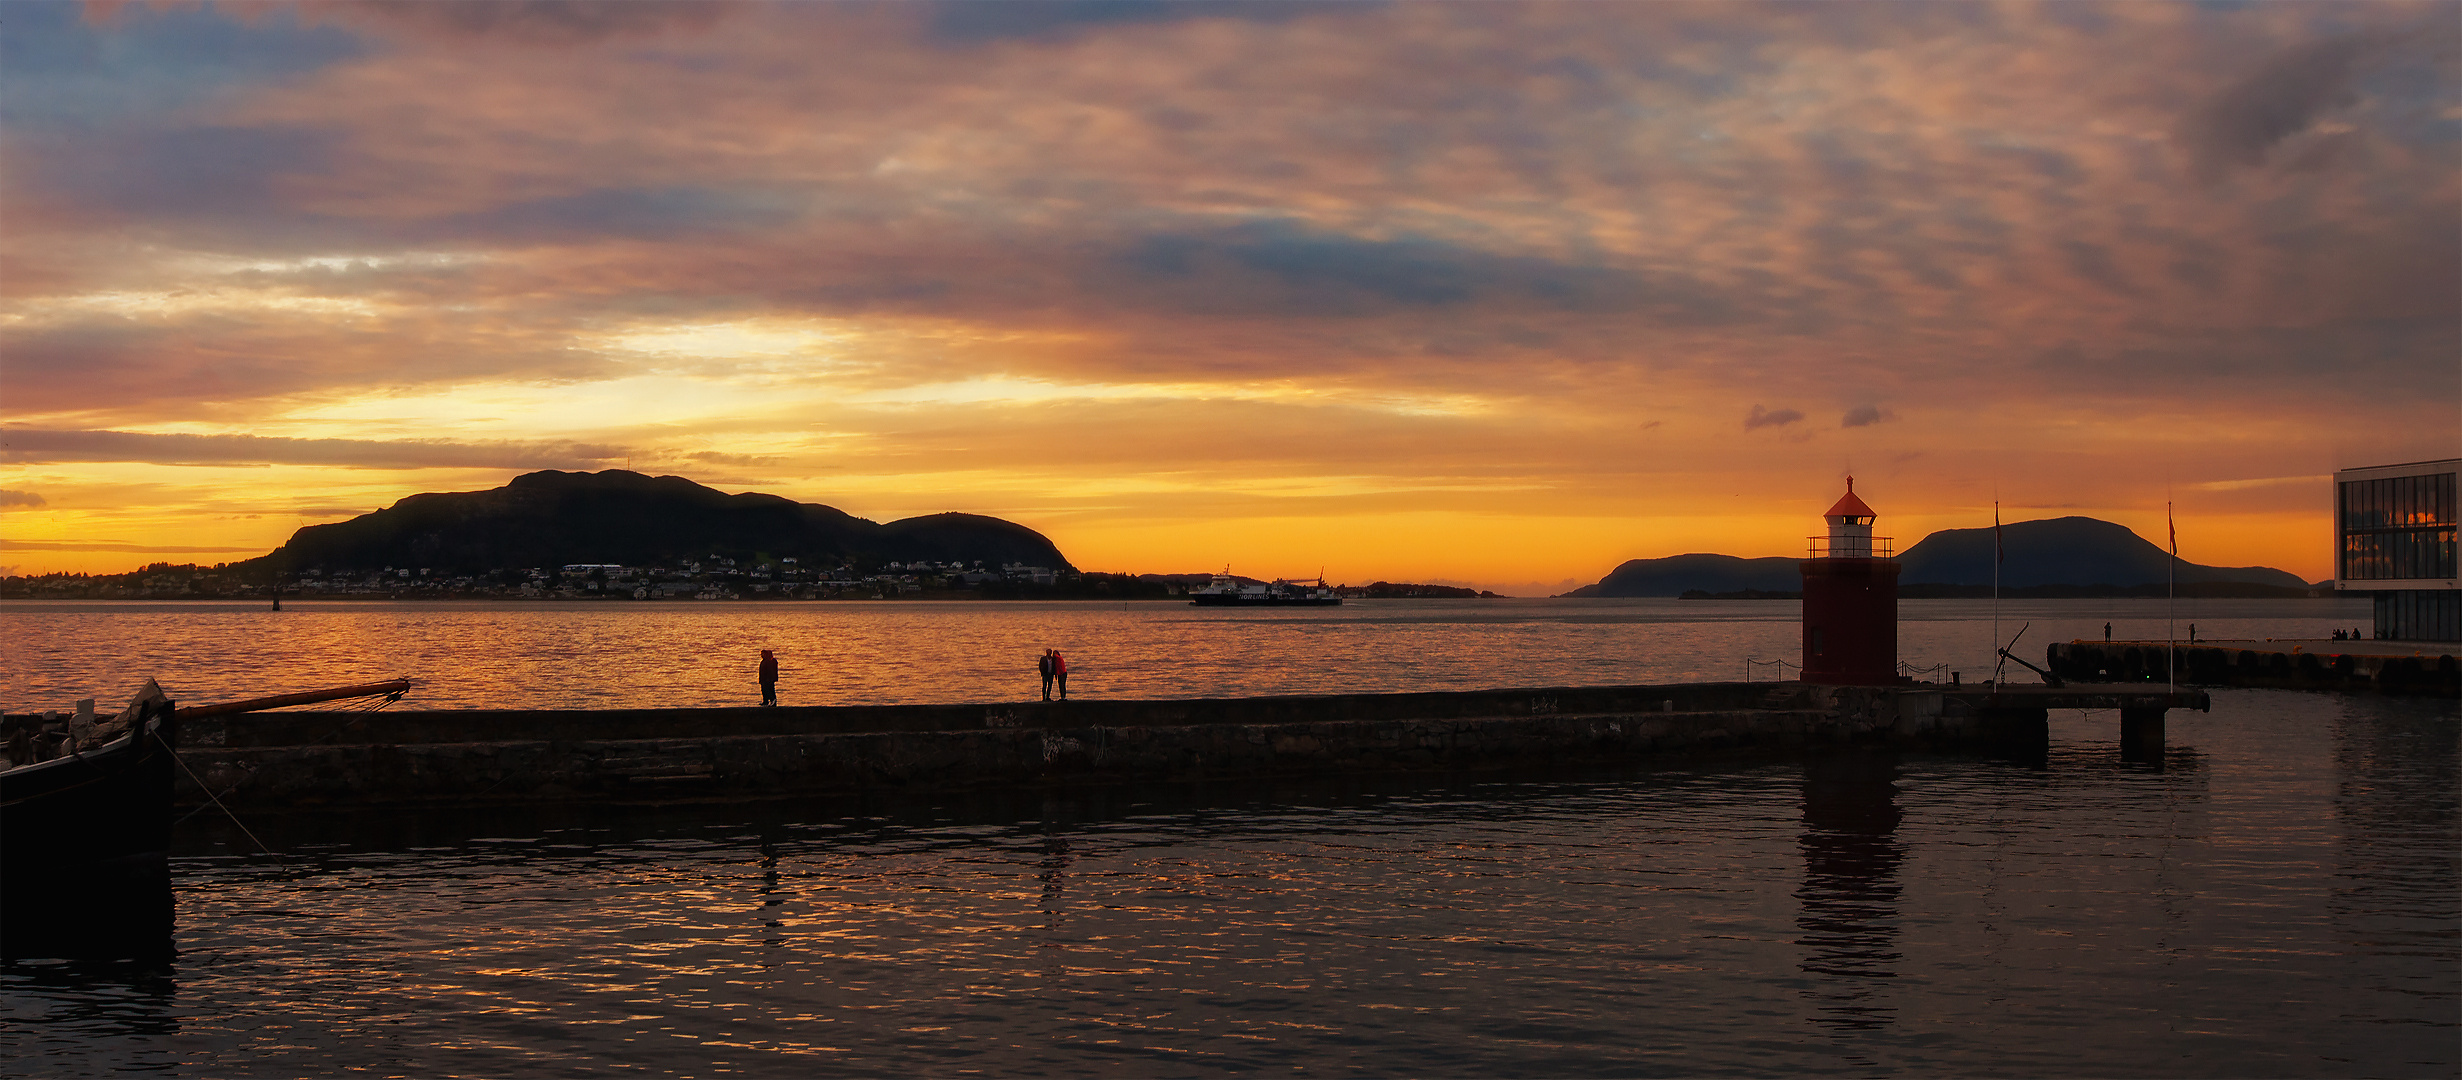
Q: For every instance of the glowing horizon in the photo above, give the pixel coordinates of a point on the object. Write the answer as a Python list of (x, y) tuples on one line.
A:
[(1488, 295)]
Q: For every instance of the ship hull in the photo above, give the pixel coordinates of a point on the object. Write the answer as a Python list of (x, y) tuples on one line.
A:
[(85, 843)]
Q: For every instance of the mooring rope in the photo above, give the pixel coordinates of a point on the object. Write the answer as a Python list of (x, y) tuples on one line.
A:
[(209, 793), (365, 706)]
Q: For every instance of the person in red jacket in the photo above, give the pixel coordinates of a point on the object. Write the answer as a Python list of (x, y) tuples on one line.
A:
[(1060, 673), (769, 678)]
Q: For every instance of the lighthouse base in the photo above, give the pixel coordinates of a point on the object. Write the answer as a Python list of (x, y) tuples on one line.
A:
[(1851, 621)]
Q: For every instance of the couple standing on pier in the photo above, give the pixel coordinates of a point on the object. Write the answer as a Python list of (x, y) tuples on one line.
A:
[(1054, 669)]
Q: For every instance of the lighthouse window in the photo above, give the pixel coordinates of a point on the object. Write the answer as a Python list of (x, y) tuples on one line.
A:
[(1816, 641)]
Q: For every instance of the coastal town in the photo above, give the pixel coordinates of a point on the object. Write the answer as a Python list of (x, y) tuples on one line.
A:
[(715, 578)]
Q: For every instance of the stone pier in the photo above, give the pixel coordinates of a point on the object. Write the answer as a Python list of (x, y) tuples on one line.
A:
[(313, 759), (2424, 668), (481, 757)]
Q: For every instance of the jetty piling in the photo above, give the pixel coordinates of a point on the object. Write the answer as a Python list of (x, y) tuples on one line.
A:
[(2141, 734)]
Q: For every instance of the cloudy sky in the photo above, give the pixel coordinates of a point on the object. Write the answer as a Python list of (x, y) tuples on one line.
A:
[(1499, 294)]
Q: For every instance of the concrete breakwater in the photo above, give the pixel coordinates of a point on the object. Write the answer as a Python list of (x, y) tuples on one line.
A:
[(2387, 666), (310, 759)]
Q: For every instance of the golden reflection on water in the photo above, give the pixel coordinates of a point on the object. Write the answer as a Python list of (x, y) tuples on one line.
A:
[(677, 654), (2279, 898), (1860, 913)]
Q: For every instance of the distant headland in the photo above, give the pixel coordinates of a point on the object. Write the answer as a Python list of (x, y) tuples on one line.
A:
[(549, 519), (621, 534), (2048, 558)]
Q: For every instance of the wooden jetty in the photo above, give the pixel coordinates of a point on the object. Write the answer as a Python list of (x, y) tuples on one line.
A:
[(2142, 708)]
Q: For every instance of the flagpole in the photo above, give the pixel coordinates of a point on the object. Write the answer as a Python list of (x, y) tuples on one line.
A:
[(1996, 557), (2171, 604)]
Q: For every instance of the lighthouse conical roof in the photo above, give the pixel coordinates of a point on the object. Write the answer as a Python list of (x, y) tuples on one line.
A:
[(1850, 506)]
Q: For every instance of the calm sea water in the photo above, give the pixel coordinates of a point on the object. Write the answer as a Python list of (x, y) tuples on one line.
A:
[(2281, 897), (578, 655)]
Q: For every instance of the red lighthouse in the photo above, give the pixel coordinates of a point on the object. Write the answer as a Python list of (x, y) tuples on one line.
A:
[(1851, 601)]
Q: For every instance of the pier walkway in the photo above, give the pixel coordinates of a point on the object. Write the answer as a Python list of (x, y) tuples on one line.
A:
[(305, 760), (2395, 667)]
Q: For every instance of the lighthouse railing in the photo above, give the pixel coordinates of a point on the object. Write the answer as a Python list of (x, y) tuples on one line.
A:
[(1853, 547)]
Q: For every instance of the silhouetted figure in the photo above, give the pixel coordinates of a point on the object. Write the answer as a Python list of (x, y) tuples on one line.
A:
[(769, 678), (2192, 633), (2107, 633), (1060, 673), (1042, 666)]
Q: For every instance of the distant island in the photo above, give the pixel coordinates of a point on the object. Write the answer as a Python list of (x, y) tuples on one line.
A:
[(608, 534), (624, 518), (2043, 559), (621, 534)]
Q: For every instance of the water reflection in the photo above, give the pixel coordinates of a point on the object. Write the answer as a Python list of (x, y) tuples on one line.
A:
[(602, 655), (1052, 870), (127, 1009), (771, 897), (2397, 767), (1628, 922), (1849, 919)]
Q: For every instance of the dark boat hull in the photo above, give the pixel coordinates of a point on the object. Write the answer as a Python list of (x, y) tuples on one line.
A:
[(85, 846)]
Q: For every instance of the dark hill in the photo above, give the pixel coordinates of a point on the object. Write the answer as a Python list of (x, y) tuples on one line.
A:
[(2059, 552), (2063, 551), (556, 518), (1677, 574)]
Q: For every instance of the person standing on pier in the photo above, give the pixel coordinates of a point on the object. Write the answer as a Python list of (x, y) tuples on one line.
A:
[(769, 678), (1060, 673), (2107, 633), (1042, 666)]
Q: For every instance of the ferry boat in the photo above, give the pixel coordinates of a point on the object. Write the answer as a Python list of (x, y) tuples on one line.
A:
[(1227, 591)]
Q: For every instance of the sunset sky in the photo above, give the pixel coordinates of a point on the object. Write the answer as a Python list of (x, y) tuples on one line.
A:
[(1492, 294)]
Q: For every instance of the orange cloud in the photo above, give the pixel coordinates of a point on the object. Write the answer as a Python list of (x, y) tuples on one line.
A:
[(1253, 268)]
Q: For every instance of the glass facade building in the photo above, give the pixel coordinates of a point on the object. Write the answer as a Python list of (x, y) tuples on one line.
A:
[(2398, 527), (2395, 530)]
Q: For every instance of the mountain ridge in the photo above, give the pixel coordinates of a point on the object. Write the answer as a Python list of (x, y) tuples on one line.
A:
[(552, 518), (2072, 552)]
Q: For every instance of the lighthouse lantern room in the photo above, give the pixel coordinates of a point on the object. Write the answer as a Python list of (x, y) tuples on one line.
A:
[(1850, 601)]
